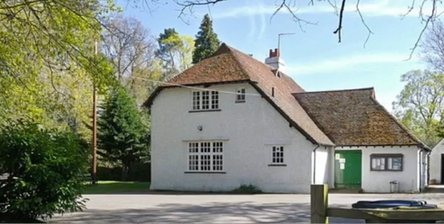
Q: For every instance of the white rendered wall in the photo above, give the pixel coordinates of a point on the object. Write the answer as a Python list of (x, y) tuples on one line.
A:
[(248, 131), (322, 156), (379, 181), (435, 162)]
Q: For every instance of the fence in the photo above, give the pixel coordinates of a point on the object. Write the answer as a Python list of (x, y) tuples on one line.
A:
[(320, 211)]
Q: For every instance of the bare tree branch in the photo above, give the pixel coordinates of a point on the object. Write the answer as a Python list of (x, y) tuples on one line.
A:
[(430, 19), (341, 15), (188, 4), (409, 9), (363, 22)]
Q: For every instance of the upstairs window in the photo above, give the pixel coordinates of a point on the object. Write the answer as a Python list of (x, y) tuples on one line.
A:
[(205, 100), (240, 96), (277, 155)]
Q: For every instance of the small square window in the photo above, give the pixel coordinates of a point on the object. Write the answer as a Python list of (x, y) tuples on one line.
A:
[(277, 155), (240, 96)]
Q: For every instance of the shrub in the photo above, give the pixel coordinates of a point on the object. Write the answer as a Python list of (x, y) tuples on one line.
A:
[(138, 171), (45, 170), (247, 189)]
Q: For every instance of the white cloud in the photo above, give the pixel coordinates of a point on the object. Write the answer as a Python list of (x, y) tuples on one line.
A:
[(255, 31), (345, 63), (376, 8)]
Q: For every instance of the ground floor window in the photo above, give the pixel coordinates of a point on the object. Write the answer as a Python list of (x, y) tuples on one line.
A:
[(386, 162), (205, 156)]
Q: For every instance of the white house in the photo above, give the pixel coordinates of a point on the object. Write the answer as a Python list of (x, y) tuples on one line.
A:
[(437, 163), (231, 120)]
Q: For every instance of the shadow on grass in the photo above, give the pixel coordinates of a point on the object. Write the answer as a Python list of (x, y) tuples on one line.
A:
[(242, 212)]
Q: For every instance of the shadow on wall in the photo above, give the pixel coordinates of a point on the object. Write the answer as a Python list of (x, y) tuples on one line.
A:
[(210, 213)]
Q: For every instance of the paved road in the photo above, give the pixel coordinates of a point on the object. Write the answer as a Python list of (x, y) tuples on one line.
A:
[(143, 208)]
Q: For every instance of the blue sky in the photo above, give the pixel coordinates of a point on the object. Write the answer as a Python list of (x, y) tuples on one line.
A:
[(313, 56)]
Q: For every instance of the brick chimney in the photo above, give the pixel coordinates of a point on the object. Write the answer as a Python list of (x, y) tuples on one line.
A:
[(274, 60)]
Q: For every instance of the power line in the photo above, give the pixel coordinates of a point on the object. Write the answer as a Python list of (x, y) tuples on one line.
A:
[(196, 88)]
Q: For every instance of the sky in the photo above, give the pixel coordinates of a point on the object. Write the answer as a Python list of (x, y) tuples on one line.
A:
[(312, 54)]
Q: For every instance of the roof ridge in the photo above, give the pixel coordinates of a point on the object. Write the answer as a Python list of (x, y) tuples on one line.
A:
[(339, 90), (236, 59)]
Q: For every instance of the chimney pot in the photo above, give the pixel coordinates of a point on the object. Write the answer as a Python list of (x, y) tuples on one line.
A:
[(270, 54)]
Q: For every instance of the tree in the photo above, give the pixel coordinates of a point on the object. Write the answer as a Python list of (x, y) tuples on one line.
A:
[(432, 47), (38, 79), (44, 169), (122, 136), (420, 105), (130, 48), (206, 42), (175, 52)]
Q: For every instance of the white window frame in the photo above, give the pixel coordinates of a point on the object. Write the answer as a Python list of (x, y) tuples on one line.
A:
[(276, 160), (212, 153), (212, 104), (240, 95)]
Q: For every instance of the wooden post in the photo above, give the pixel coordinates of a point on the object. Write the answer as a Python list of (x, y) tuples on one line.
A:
[(94, 132), (319, 203)]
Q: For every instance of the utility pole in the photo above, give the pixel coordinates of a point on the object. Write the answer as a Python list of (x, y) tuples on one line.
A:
[(94, 137), (279, 40)]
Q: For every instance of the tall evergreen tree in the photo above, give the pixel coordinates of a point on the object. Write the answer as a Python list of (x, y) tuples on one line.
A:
[(122, 136), (206, 42)]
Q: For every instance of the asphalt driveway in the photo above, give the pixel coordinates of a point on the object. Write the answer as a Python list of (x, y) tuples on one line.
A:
[(217, 208)]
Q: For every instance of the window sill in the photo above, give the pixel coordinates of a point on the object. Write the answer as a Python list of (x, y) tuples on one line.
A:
[(197, 111), (205, 172), (239, 101), (277, 164)]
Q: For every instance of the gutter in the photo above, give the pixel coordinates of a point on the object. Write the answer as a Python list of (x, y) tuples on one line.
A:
[(314, 163)]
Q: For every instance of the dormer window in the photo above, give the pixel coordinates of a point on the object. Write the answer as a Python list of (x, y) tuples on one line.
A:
[(240, 96), (205, 100)]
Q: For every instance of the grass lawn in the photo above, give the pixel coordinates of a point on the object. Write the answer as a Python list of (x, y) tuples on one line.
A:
[(116, 187)]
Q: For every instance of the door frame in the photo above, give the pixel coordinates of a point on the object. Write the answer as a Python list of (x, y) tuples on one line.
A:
[(335, 165)]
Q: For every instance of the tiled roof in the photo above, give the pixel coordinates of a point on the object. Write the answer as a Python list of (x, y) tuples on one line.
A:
[(354, 117), (341, 118), (221, 67), (230, 65)]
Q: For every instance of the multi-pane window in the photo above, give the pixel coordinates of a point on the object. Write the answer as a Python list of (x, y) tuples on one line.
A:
[(214, 100), (196, 100), (386, 162), (193, 158), (240, 96), (205, 156), (277, 155), (205, 100)]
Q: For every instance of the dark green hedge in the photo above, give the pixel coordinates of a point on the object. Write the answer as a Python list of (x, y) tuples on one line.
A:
[(137, 172)]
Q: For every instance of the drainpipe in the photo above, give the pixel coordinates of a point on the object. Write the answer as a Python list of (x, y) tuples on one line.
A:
[(314, 164)]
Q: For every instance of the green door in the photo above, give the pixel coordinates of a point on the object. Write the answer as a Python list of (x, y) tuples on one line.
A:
[(348, 167)]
